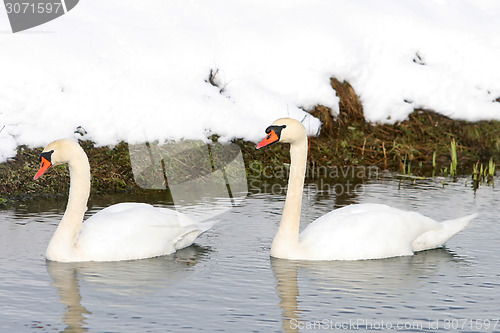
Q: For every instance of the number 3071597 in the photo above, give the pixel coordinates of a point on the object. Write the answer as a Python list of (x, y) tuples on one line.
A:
[(32, 8)]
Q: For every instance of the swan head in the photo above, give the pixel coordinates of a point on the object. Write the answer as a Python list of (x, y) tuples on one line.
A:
[(56, 153), (285, 130)]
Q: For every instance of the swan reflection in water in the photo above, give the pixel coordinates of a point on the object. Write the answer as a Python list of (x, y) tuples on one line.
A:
[(120, 278), (351, 281)]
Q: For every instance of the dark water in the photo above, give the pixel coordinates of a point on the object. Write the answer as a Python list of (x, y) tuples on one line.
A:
[(228, 282)]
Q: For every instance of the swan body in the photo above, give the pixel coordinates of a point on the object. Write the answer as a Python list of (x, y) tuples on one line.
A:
[(360, 231), (124, 231), (373, 231), (127, 231)]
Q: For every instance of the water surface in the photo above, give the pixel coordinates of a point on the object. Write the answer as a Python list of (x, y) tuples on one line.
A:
[(228, 282)]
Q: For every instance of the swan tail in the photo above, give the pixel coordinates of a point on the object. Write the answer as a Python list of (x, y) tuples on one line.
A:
[(188, 238), (436, 238)]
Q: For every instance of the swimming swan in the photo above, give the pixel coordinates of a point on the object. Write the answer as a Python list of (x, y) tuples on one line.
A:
[(123, 231), (360, 231)]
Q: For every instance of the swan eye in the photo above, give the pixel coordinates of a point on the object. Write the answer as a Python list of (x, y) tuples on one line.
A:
[(275, 128), (47, 155)]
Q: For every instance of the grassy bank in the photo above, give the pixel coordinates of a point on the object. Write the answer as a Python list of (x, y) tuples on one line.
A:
[(419, 145), (423, 142)]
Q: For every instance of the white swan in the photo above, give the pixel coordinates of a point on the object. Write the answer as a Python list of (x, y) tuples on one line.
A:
[(123, 231), (361, 231)]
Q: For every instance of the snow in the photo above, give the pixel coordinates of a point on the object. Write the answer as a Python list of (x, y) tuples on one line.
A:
[(139, 70)]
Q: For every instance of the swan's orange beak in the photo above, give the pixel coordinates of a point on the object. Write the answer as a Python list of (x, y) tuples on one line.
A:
[(270, 138), (44, 166)]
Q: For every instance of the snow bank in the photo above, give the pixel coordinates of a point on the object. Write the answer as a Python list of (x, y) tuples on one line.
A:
[(139, 70)]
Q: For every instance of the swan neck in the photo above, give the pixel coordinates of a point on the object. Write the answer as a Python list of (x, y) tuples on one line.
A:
[(79, 190), (287, 237), (62, 246)]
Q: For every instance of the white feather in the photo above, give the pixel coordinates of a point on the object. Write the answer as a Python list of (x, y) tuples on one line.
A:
[(124, 231), (363, 231)]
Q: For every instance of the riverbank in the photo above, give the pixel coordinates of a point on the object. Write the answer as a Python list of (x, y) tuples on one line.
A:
[(418, 146), (422, 143)]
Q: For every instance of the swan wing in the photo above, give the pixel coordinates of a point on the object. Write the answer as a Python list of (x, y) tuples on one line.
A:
[(129, 231), (364, 231)]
